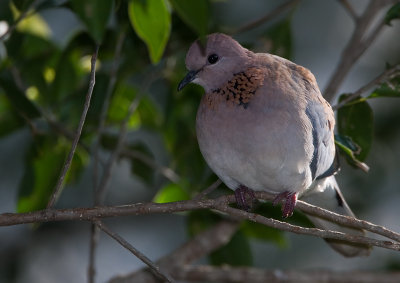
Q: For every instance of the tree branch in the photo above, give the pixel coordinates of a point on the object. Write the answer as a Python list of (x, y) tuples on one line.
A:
[(220, 204), (165, 171), (378, 80), (349, 9), (153, 267), (229, 274), (196, 248), (101, 190), (210, 189), (22, 16), (103, 115), (268, 17), (356, 46), (71, 154)]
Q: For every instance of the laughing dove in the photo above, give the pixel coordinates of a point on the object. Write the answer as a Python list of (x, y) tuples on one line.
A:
[(263, 125)]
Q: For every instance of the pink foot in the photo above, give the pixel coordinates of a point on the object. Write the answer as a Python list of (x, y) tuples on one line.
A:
[(245, 197), (289, 199)]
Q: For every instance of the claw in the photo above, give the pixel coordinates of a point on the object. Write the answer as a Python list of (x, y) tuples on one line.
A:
[(289, 199), (245, 197)]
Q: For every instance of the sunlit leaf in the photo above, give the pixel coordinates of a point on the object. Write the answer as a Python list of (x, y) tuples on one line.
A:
[(151, 21), (170, 193), (393, 13), (194, 13), (356, 122), (94, 14), (119, 107), (35, 25)]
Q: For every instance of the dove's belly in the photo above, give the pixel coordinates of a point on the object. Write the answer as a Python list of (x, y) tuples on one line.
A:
[(260, 155)]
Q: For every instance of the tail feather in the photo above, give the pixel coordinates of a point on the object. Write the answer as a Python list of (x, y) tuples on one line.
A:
[(325, 193)]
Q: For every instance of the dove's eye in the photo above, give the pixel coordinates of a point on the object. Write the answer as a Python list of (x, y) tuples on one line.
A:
[(213, 58)]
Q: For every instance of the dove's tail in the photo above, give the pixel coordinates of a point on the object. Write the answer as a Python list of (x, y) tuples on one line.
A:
[(325, 193)]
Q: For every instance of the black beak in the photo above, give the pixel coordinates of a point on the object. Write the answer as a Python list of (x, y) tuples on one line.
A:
[(187, 79)]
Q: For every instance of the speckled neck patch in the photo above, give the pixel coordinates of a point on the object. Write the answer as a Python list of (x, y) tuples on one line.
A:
[(238, 91)]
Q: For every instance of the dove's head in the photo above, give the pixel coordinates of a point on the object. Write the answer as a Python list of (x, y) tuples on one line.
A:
[(214, 63)]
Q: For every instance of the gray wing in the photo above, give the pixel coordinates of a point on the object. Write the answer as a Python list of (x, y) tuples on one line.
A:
[(323, 161)]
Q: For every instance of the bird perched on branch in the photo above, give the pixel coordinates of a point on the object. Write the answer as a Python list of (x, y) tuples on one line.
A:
[(263, 125)]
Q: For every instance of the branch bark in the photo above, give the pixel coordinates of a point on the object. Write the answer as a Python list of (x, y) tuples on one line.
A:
[(154, 268), (71, 154), (378, 80), (196, 248), (228, 274), (220, 204), (268, 17)]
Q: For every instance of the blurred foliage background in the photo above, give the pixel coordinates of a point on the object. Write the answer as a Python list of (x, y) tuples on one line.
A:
[(44, 77)]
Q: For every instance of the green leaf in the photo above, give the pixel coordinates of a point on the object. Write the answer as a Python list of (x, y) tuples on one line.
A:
[(40, 175), (151, 21), (393, 13), (280, 38), (356, 122), (194, 13), (21, 5), (43, 164), (350, 149), (119, 107), (390, 88), (9, 119), (5, 12), (170, 193), (17, 98), (236, 253), (94, 14)]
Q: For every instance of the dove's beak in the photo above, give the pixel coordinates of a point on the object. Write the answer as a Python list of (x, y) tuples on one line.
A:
[(187, 79)]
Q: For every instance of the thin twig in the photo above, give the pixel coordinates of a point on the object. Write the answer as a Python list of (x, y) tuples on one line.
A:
[(326, 234), (357, 45), (378, 80), (194, 249), (94, 233), (56, 126), (268, 17), (106, 106), (153, 267), (101, 190), (165, 171), (349, 9), (22, 16), (94, 238), (220, 204), (210, 189), (68, 161), (337, 218)]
